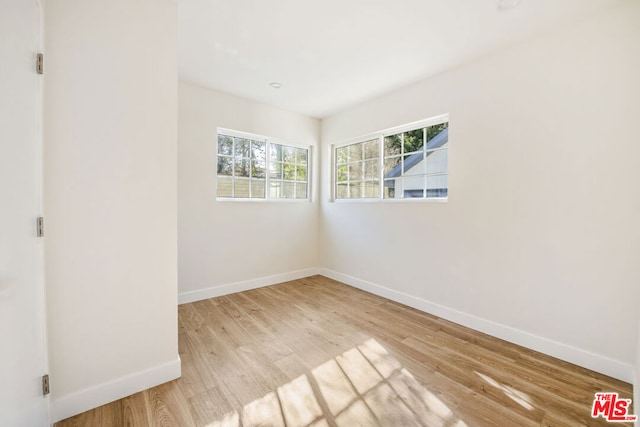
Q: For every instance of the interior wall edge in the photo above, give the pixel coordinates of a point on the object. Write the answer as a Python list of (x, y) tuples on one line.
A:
[(245, 285), (636, 391), (602, 364), (101, 394)]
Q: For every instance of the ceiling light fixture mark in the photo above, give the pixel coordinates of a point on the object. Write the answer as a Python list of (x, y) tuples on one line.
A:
[(275, 85)]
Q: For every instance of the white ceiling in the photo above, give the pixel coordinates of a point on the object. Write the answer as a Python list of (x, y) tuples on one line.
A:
[(332, 54)]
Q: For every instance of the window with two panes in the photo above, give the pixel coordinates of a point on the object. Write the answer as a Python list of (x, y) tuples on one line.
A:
[(414, 164), (256, 168)]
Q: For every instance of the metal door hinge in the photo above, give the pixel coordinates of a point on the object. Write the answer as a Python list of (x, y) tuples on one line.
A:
[(40, 226), (40, 63), (45, 384)]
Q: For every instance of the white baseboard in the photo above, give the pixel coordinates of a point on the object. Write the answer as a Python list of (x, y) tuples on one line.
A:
[(614, 368), (231, 288), (101, 394)]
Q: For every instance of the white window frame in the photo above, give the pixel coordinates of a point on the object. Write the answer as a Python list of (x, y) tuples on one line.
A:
[(380, 135), (268, 142)]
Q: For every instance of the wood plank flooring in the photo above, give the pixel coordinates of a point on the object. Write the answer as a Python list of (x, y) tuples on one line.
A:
[(315, 352)]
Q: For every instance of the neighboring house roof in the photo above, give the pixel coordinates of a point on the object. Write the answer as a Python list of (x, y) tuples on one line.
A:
[(438, 141)]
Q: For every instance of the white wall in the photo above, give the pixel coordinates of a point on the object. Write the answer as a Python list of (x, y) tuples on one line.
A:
[(539, 241), (636, 380), (227, 246), (110, 198)]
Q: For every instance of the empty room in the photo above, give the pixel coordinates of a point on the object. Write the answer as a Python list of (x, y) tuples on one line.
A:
[(225, 213)]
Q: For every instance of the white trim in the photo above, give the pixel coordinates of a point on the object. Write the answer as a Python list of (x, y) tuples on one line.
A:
[(394, 200), (332, 172), (101, 394), (240, 134), (614, 368), (245, 285), (262, 199)]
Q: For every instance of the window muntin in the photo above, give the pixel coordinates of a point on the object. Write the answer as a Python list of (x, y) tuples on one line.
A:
[(410, 163), (256, 168)]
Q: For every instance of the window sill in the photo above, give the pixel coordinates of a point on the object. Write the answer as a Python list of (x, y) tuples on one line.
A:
[(407, 200), (258, 200)]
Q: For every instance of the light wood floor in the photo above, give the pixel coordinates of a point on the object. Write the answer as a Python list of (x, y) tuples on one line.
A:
[(315, 352)]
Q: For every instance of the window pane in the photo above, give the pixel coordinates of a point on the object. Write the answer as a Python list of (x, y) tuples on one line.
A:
[(413, 164), (225, 165), (275, 189), (342, 191), (389, 191), (241, 187), (257, 170), (301, 191), (413, 185), (390, 165), (301, 156), (413, 140), (343, 173), (371, 150), (258, 150), (437, 186), (355, 152), (415, 193), (225, 187), (242, 147), (289, 171), (225, 145), (288, 190), (355, 171), (276, 152), (242, 167), (288, 154), (392, 145), (441, 192), (275, 170), (301, 173), (435, 130), (371, 169), (371, 189), (437, 161), (342, 154), (257, 188), (355, 190)]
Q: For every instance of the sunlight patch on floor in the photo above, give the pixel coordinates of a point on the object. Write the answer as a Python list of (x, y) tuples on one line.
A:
[(229, 420), (425, 404), (362, 375), (364, 386), (334, 386), (517, 396), (264, 411), (380, 358), (299, 404)]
